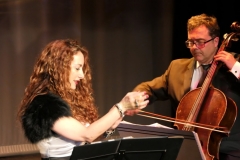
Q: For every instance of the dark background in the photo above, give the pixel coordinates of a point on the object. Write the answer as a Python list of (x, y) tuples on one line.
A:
[(130, 41)]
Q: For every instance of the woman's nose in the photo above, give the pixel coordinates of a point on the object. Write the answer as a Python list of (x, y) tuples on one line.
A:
[(81, 74)]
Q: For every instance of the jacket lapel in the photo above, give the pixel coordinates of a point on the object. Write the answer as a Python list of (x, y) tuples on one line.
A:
[(188, 76)]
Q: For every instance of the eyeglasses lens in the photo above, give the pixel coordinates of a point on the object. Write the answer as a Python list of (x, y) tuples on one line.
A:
[(190, 44)]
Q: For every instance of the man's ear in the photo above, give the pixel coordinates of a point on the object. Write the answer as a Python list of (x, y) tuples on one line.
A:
[(216, 41)]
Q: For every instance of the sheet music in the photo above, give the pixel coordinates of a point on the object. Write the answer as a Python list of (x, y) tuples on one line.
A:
[(157, 125)]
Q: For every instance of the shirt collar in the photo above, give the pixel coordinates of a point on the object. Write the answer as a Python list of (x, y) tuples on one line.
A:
[(198, 64)]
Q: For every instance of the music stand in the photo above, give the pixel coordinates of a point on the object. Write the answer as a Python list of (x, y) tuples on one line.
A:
[(98, 151), (150, 148), (190, 143)]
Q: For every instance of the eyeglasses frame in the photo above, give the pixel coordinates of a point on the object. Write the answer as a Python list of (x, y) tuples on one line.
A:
[(194, 42)]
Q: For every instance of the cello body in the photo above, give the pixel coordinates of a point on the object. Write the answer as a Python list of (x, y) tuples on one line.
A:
[(216, 110)]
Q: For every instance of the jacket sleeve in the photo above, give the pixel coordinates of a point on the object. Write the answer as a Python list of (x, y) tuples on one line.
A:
[(173, 84), (41, 114), (157, 88)]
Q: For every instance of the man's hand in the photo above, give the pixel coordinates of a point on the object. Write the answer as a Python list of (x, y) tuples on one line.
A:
[(226, 58)]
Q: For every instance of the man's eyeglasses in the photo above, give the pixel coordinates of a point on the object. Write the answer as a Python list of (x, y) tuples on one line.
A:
[(198, 43)]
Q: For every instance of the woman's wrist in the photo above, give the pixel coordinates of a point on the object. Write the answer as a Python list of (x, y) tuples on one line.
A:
[(120, 109)]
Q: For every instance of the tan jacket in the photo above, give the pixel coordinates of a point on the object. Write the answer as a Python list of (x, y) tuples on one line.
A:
[(173, 84)]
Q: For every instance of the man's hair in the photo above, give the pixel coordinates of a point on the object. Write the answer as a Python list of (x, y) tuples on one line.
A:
[(203, 19)]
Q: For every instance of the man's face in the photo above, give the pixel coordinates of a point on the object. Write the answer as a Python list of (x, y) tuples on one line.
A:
[(203, 53)]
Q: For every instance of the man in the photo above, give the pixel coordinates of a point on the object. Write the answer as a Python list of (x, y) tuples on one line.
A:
[(183, 75)]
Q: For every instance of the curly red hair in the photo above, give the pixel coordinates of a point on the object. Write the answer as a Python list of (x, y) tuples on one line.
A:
[(51, 74)]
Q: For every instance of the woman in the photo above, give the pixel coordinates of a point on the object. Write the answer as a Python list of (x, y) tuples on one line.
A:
[(57, 111)]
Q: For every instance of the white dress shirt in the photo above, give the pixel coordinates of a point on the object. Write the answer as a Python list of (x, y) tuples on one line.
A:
[(198, 70)]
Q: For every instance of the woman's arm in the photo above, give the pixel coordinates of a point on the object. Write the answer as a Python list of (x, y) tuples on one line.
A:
[(73, 129)]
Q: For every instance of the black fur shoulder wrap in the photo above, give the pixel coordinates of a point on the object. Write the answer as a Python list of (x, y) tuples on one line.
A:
[(41, 114)]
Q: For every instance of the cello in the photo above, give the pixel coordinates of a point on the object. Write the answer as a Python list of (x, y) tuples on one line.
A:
[(206, 110), (210, 107)]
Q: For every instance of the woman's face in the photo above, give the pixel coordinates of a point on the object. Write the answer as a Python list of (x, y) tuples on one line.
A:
[(76, 72)]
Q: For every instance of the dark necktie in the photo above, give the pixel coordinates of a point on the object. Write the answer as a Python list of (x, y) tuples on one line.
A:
[(204, 74)]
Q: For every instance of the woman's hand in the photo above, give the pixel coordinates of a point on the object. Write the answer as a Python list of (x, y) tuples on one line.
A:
[(131, 104), (134, 101)]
